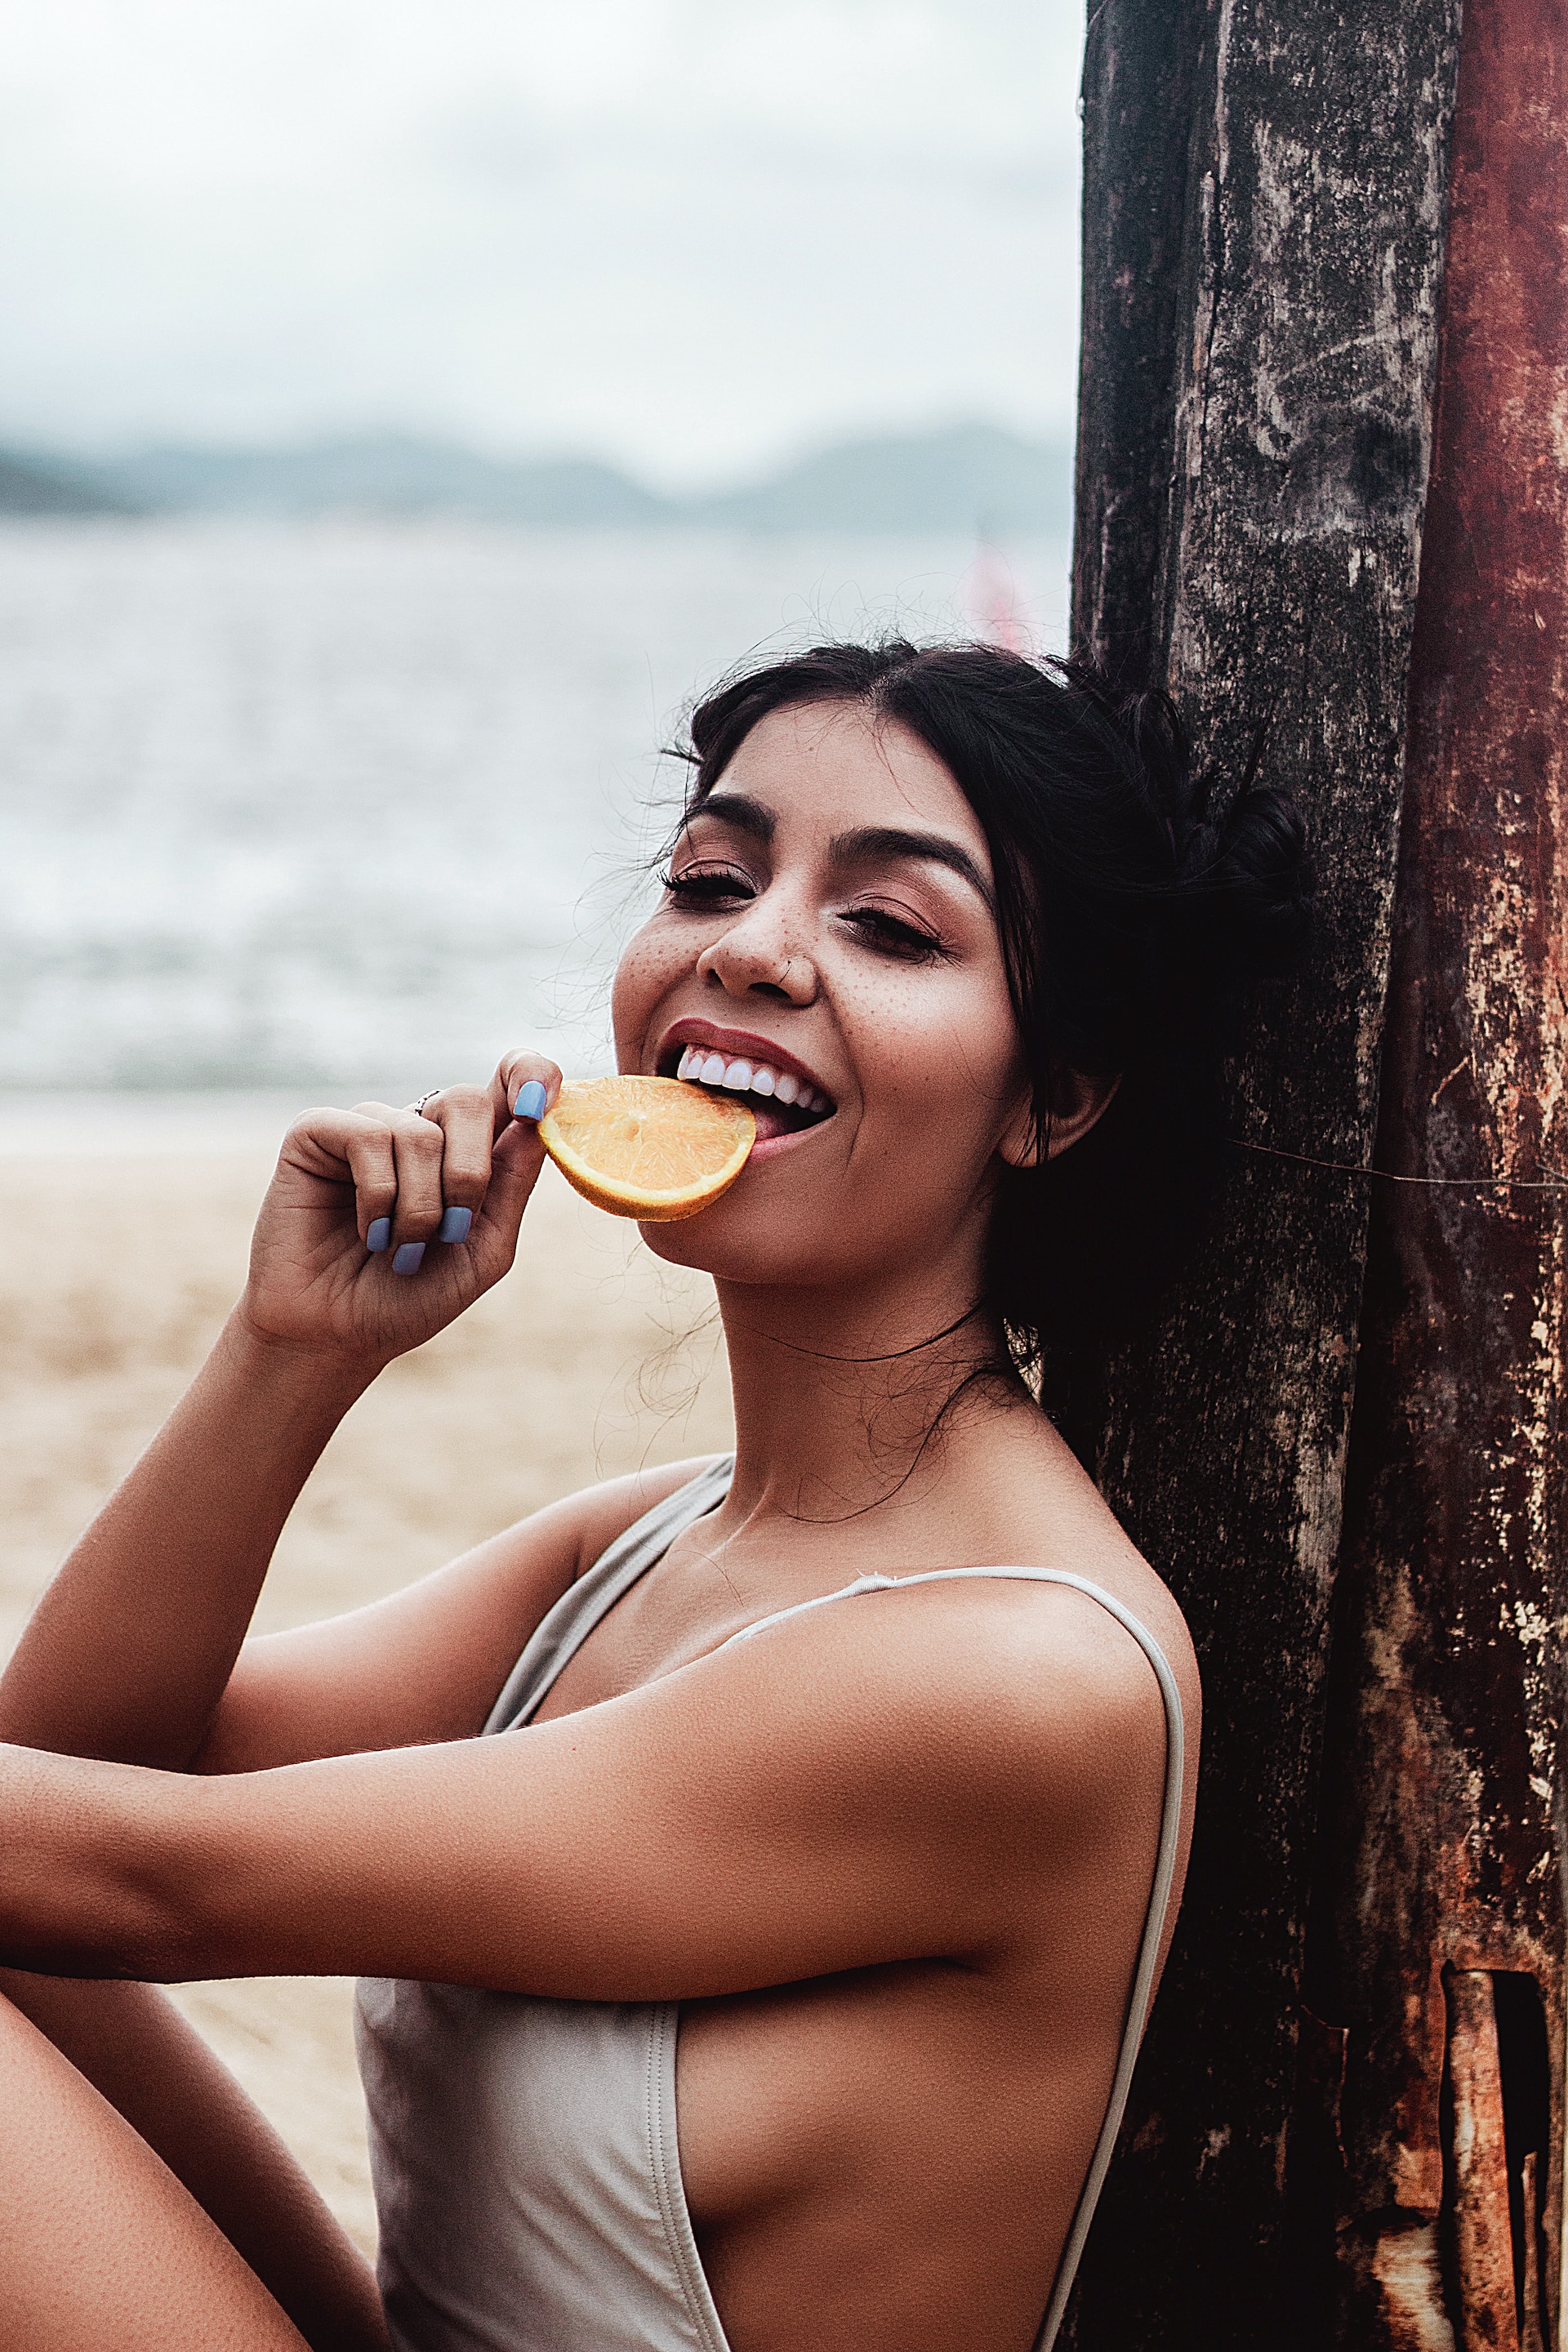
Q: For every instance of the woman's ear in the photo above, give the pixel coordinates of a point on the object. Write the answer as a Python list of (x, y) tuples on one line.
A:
[(1080, 1102)]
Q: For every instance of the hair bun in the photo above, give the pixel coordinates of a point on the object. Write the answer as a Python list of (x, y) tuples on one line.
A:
[(1253, 873)]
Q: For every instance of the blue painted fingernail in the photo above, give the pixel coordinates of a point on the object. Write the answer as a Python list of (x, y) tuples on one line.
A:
[(406, 1259), (378, 1233), (530, 1100), (454, 1225)]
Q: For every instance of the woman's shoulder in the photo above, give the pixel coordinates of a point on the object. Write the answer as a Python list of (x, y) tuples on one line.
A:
[(1009, 1711), (1042, 1654), (1053, 1656), (1048, 1530)]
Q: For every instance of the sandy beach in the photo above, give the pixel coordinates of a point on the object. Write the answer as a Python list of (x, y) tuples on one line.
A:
[(118, 1262)]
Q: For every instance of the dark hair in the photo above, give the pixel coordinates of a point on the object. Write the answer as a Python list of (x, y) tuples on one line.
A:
[(1126, 916)]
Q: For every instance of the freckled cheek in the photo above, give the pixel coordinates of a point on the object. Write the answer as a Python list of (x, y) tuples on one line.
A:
[(652, 963), (939, 1053)]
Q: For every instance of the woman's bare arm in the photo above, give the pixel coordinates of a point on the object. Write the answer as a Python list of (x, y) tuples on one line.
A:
[(129, 1653), (893, 1777), (425, 1663)]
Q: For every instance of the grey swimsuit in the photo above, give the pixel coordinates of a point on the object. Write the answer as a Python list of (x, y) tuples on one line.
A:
[(524, 2151)]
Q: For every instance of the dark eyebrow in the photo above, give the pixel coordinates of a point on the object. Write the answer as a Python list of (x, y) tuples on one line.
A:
[(740, 810), (933, 848)]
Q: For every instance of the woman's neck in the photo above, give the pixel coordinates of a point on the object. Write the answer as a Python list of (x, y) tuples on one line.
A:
[(838, 1393)]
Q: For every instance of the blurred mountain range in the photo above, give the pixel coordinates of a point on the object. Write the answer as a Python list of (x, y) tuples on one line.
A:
[(966, 478), (30, 486)]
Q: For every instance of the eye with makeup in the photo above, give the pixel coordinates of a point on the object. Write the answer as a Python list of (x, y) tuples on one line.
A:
[(889, 934), (698, 887), (707, 886)]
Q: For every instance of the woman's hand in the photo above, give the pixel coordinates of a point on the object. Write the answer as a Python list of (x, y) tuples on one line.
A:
[(381, 1225)]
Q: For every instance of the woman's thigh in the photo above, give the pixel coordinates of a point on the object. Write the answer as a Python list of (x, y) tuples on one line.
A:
[(99, 2244)]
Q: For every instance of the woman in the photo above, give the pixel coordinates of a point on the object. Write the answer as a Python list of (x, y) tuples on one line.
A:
[(866, 1761)]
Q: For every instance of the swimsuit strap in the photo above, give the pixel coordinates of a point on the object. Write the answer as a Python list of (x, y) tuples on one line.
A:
[(1159, 1893)]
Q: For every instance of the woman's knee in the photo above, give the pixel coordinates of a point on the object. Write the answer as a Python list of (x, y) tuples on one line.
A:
[(98, 2243)]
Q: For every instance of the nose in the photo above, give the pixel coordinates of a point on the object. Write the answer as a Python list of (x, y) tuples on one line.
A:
[(763, 952)]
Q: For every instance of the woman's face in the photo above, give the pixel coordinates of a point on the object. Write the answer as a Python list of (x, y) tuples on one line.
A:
[(828, 925)]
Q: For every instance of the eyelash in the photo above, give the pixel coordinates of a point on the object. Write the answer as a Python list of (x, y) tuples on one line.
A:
[(885, 934), (889, 935), (703, 884)]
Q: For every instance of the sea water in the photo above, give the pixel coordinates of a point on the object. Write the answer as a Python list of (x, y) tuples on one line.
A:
[(349, 806)]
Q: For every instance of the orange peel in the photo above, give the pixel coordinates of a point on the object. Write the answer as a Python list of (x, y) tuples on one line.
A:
[(653, 1149)]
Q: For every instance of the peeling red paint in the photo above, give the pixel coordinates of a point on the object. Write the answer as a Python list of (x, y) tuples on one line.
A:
[(1483, 2263)]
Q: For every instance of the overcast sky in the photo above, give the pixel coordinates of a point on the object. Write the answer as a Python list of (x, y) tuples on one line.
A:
[(691, 235)]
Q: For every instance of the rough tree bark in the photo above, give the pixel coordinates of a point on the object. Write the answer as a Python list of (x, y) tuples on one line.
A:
[(1436, 1952), (1264, 232)]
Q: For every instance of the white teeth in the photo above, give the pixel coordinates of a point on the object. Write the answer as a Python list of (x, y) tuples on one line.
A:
[(706, 1069)]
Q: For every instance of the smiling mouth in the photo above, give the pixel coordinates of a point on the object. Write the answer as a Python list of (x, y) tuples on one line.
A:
[(782, 1103)]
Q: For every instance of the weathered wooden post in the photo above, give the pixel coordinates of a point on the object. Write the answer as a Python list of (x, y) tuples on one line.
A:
[(1352, 2131), (1263, 243), (1436, 1957)]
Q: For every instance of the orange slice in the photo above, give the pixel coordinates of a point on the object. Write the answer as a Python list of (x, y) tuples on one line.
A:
[(653, 1149)]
